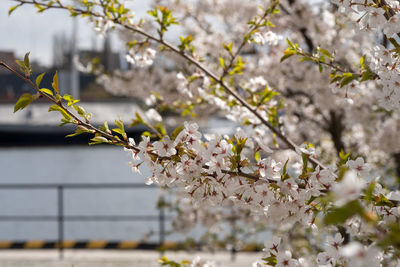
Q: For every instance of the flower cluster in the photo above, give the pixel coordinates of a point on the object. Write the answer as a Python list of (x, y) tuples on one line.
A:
[(268, 37), (373, 17), (101, 26), (215, 172), (144, 59)]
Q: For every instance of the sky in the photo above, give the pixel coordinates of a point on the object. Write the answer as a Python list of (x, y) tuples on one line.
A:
[(26, 30)]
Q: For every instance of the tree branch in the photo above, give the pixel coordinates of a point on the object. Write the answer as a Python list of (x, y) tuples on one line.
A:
[(190, 59)]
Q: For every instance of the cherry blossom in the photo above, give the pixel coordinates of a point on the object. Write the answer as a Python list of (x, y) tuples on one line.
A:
[(349, 188), (165, 148), (141, 59), (358, 165), (284, 259), (269, 169)]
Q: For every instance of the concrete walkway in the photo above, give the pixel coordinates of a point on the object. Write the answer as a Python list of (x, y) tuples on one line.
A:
[(107, 258)]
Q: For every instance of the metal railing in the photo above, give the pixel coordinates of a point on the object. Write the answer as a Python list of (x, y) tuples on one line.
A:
[(61, 218)]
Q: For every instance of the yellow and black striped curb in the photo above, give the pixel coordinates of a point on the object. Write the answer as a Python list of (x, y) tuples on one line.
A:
[(104, 244), (92, 244)]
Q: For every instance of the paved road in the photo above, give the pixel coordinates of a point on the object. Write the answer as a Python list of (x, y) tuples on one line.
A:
[(101, 258)]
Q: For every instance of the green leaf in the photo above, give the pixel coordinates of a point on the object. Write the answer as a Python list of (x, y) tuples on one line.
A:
[(325, 52), (55, 107), (146, 133), (117, 130), (40, 8), (336, 78), (120, 124), (139, 118), (381, 200), (185, 42), (39, 79), (25, 65), (270, 24), (64, 121), (304, 172), (35, 96), (21, 64), (289, 43), (271, 260), (98, 140), (175, 133), (23, 101), (222, 62), (241, 142), (137, 121), (106, 127), (70, 100), (47, 91), (12, 9), (164, 261), (343, 156), (369, 192), (55, 82), (362, 62), (120, 129), (285, 175), (348, 78), (79, 130), (306, 58), (26, 60), (81, 111), (228, 47), (161, 129), (287, 54), (367, 75), (88, 116), (341, 214)]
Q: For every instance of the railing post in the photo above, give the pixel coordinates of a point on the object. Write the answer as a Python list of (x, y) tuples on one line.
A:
[(60, 221), (161, 221), (233, 233)]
